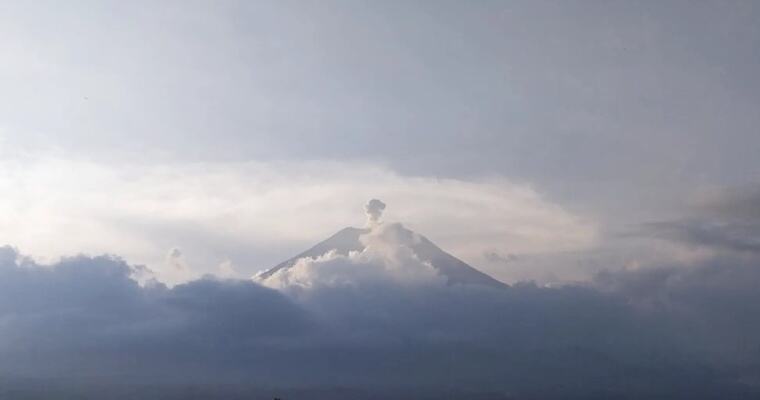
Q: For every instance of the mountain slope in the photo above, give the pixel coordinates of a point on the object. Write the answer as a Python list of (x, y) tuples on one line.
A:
[(349, 239)]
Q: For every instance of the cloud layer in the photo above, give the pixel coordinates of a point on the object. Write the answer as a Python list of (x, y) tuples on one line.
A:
[(378, 320)]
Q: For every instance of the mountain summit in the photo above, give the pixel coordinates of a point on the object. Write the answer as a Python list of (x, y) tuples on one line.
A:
[(390, 241)]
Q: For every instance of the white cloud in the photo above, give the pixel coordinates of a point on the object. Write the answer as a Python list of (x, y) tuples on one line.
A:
[(226, 270), (257, 214), (386, 259)]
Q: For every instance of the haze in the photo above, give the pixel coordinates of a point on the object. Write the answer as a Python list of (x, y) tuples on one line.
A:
[(598, 158)]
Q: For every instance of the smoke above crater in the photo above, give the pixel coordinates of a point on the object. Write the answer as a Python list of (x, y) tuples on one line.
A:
[(374, 210)]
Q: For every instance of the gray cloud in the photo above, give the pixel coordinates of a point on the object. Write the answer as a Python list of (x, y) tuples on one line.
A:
[(744, 237), (727, 219), (587, 101), (617, 111), (655, 332), (735, 203), (710, 310)]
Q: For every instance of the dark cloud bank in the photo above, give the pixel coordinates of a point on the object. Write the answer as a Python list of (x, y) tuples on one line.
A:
[(82, 328)]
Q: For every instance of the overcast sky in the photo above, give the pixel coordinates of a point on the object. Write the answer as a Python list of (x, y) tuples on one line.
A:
[(601, 157), (615, 113)]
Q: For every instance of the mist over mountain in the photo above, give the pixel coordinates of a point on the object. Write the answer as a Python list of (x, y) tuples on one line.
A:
[(375, 312), (394, 242)]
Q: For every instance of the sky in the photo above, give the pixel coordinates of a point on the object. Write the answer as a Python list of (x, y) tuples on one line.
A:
[(598, 154), (616, 113)]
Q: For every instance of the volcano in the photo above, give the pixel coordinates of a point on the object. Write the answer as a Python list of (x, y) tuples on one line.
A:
[(349, 239)]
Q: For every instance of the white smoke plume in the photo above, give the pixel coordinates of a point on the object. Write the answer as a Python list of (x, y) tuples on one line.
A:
[(374, 209)]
